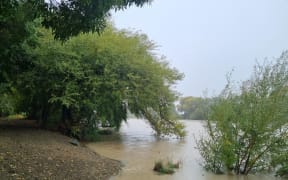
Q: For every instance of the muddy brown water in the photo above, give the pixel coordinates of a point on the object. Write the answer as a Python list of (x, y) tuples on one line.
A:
[(138, 149)]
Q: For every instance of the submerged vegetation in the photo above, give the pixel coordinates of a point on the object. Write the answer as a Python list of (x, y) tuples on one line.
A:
[(247, 130), (166, 168)]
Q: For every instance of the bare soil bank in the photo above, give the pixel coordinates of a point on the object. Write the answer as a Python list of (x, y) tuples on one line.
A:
[(27, 152)]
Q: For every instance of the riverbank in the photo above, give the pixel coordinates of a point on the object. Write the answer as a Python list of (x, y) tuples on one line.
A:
[(27, 152)]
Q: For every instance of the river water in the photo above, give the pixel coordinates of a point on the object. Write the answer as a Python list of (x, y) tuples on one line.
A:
[(138, 149)]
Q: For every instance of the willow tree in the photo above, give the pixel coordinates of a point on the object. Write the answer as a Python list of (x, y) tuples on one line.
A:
[(248, 127), (92, 80)]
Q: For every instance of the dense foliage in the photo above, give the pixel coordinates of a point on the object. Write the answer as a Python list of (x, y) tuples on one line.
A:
[(91, 81), (65, 18), (87, 81), (248, 127)]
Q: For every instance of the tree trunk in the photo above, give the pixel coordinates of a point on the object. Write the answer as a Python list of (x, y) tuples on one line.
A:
[(246, 165), (42, 122), (66, 121)]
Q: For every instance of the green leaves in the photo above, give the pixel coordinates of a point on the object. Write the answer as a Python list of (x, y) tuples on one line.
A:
[(70, 18), (72, 80), (97, 79), (249, 124)]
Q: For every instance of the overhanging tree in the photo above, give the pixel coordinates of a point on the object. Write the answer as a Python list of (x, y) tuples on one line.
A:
[(94, 80)]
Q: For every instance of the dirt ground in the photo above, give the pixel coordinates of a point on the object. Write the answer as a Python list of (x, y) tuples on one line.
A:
[(27, 152)]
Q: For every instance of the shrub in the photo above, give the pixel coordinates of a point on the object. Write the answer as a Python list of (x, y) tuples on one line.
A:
[(247, 128)]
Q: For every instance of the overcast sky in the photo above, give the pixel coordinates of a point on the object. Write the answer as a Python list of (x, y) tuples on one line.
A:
[(205, 39)]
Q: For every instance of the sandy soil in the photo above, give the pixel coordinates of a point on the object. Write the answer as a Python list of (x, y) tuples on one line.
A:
[(27, 152)]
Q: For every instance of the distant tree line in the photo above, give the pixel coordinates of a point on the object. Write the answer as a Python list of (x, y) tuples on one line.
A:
[(194, 108)]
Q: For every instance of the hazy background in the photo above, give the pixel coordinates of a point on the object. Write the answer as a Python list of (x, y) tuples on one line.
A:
[(205, 39)]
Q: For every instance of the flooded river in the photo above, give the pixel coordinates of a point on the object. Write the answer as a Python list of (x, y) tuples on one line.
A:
[(138, 149)]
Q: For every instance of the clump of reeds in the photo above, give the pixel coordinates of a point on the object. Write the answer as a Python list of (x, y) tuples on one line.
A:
[(166, 168)]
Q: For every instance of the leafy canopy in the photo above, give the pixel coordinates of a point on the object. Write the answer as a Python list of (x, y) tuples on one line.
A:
[(65, 18), (94, 80)]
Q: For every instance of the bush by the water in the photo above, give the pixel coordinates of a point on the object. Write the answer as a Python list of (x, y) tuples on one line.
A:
[(247, 128)]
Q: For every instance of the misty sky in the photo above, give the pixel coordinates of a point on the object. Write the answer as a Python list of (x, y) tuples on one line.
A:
[(205, 39)]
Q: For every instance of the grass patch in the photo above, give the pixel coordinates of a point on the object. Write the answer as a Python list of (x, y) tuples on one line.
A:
[(166, 167)]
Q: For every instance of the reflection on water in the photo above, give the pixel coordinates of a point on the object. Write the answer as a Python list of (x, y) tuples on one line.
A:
[(138, 149)]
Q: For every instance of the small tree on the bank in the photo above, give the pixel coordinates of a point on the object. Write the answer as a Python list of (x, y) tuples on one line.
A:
[(247, 130)]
